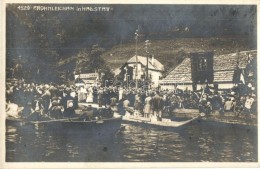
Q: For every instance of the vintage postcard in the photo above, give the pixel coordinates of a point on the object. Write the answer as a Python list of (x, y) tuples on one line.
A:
[(134, 84)]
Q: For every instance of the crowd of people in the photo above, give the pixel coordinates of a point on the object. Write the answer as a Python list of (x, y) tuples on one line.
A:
[(239, 99), (27, 100), (39, 100)]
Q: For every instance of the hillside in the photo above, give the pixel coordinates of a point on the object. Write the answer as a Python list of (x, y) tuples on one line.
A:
[(172, 52)]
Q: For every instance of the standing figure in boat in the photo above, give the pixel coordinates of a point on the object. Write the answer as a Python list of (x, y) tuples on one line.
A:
[(167, 107), (157, 106), (147, 106), (138, 105)]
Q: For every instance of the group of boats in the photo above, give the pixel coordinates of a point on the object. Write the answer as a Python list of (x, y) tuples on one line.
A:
[(109, 124)]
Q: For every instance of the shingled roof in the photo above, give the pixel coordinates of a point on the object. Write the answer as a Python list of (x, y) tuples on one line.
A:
[(224, 67), (181, 74)]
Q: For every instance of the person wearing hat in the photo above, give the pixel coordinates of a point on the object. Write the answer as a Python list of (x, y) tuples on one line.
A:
[(56, 109), (208, 108), (69, 111)]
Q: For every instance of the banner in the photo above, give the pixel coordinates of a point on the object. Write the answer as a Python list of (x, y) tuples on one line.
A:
[(87, 75)]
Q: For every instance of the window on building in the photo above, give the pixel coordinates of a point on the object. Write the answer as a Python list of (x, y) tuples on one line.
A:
[(202, 66)]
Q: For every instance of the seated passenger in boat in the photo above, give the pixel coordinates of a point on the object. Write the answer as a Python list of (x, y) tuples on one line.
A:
[(208, 108), (37, 105), (69, 111), (27, 111), (37, 111), (56, 109), (107, 112), (87, 114)]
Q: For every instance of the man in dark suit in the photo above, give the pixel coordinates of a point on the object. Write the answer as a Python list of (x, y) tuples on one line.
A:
[(157, 105)]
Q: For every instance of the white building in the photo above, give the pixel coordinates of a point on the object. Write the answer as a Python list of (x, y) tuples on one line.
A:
[(155, 69)]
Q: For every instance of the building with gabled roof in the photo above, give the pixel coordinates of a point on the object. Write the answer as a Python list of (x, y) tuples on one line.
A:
[(228, 70), (129, 70), (153, 64)]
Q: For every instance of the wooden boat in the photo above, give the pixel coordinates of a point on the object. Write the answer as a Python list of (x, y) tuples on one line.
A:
[(165, 123), (107, 122), (106, 125)]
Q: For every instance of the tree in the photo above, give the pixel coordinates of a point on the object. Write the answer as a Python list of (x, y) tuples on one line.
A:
[(91, 61)]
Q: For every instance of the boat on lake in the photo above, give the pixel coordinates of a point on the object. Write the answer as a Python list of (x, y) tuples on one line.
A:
[(98, 123), (228, 118), (163, 123), (64, 122)]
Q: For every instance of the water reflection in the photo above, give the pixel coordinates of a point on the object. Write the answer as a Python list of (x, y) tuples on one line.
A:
[(132, 143)]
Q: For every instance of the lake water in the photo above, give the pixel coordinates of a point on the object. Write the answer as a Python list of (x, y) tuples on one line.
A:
[(198, 142)]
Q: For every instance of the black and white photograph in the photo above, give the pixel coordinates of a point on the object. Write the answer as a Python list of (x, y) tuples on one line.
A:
[(113, 82)]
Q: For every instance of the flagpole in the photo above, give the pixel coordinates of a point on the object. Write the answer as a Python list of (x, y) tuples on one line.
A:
[(136, 58)]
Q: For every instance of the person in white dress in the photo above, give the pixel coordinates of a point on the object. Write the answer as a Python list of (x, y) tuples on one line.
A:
[(120, 92), (82, 92), (90, 95), (147, 107)]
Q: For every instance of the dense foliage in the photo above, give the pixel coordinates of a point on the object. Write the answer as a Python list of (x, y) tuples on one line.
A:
[(52, 46)]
